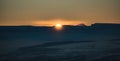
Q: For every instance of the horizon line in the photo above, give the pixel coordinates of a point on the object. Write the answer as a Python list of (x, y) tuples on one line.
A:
[(62, 25)]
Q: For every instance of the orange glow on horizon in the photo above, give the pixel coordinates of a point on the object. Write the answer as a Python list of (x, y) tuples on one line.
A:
[(58, 26), (57, 21)]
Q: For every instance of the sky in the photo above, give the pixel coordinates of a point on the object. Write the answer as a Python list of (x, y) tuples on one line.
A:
[(66, 12)]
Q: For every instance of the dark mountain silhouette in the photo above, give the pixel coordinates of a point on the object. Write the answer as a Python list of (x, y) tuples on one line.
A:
[(79, 26), (98, 42)]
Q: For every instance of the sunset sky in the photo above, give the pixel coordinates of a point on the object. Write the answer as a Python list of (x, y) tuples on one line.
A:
[(66, 12)]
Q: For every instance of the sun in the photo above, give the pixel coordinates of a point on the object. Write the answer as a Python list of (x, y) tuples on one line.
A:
[(58, 26)]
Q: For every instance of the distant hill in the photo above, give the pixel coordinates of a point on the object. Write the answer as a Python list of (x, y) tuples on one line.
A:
[(96, 26)]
